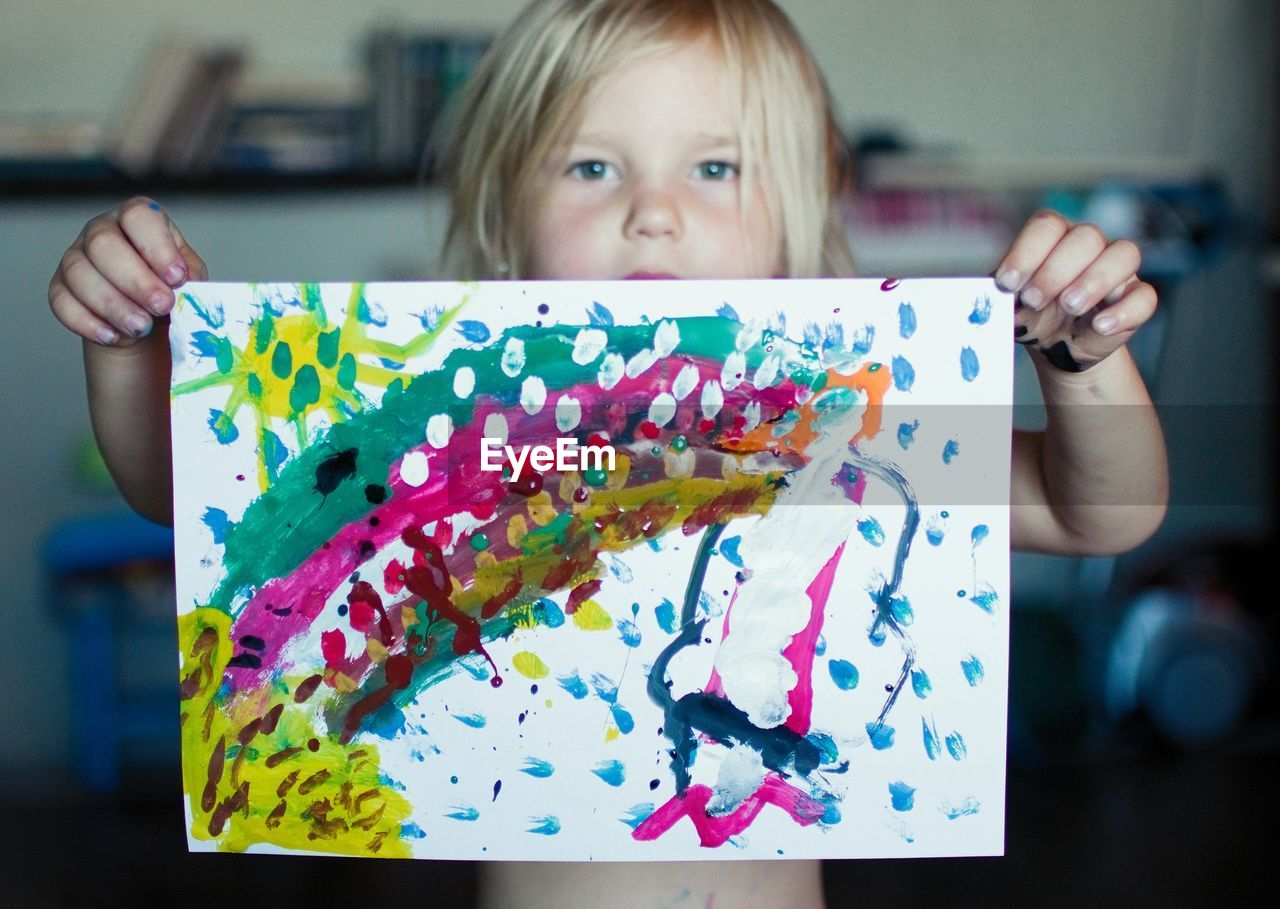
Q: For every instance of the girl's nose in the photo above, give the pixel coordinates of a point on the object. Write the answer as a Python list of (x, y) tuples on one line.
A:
[(654, 214)]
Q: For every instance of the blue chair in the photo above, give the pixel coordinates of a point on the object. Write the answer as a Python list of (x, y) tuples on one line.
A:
[(109, 573)]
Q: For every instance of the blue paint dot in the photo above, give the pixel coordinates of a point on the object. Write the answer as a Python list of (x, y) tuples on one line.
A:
[(969, 366), (920, 683), (871, 531), (844, 674), (981, 311), (902, 796), (971, 666), (906, 320), (881, 735), (931, 746), (904, 374)]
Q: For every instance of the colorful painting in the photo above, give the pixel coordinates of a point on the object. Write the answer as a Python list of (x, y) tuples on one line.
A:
[(594, 571)]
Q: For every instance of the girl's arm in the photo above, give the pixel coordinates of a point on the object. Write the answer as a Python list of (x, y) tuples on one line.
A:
[(1096, 481), (128, 389), (114, 288)]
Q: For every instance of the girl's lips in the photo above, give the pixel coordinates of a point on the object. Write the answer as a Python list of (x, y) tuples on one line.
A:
[(650, 276)]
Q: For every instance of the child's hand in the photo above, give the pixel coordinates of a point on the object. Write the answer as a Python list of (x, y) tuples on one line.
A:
[(1079, 295), (119, 274)]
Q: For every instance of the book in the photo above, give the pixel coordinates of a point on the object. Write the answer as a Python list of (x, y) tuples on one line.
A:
[(168, 79)]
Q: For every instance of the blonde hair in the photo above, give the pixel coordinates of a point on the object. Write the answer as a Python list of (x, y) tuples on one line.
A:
[(527, 93)]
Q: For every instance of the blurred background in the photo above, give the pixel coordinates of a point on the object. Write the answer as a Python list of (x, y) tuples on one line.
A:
[(286, 138)]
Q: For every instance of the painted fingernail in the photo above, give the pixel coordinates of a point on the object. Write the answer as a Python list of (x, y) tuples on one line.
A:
[(1104, 324), (175, 275), (1009, 279), (107, 337), (1032, 297), (161, 304), (1073, 299), (138, 326)]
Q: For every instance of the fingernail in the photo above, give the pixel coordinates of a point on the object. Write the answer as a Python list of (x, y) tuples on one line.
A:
[(1032, 297), (175, 275), (138, 326), (161, 304), (107, 337), (1009, 279), (1104, 324), (1073, 299)]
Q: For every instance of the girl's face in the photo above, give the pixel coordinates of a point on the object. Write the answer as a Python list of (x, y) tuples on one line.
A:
[(649, 185)]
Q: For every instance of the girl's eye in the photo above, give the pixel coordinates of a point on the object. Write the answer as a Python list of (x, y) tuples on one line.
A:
[(592, 170), (717, 170)]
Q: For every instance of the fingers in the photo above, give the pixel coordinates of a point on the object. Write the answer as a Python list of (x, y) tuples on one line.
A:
[(1133, 309), (150, 232), (120, 273), (116, 260), (88, 289), (1034, 243), (71, 312)]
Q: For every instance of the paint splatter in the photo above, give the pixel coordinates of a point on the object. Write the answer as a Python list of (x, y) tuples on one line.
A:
[(955, 746), (973, 671), (844, 674), (907, 434), (591, 616), (473, 331), (463, 813), (950, 451), (969, 806), (978, 534), (612, 772), (622, 718), (728, 549), (932, 747), (629, 633), (216, 520), (574, 685), (474, 720), (969, 366), (880, 734), (545, 826), (920, 683), (530, 665), (906, 320), (904, 374), (902, 796), (981, 310), (871, 531), (935, 529), (985, 598), (537, 767), (666, 615)]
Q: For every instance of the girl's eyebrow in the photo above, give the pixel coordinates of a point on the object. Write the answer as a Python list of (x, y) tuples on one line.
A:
[(702, 140)]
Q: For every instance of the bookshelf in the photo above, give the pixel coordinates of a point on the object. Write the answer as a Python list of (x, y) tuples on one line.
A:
[(198, 120)]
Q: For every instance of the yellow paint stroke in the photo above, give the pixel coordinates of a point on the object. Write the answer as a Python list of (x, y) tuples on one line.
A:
[(590, 616), (252, 380), (530, 665), (256, 770)]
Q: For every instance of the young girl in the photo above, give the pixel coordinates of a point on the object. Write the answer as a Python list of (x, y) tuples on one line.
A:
[(605, 139)]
